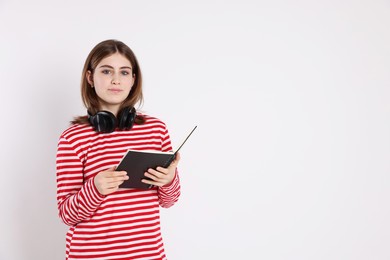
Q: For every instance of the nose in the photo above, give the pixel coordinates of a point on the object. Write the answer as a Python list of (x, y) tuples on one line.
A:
[(115, 80)]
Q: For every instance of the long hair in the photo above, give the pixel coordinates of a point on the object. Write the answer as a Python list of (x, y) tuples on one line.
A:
[(88, 94)]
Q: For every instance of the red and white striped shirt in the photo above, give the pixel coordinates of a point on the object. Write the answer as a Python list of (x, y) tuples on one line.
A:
[(121, 225)]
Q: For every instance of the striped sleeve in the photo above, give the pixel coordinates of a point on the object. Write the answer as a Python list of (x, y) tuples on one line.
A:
[(76, 200), (169, 194)]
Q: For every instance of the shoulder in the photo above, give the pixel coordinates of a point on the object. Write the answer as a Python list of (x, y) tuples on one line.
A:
[(77, 131), (152, 122)]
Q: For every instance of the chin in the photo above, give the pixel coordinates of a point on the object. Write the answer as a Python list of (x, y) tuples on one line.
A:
[(112, 102)]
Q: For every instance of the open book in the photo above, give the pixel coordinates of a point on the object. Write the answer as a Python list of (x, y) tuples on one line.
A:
[(136, 163)]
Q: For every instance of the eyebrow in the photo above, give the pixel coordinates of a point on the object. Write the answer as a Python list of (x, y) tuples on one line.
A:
[(111, 67)]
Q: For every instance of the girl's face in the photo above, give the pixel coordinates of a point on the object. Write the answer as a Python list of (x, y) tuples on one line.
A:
[(113, 79)]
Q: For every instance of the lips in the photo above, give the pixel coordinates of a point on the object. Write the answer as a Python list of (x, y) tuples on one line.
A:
[(115, 90)]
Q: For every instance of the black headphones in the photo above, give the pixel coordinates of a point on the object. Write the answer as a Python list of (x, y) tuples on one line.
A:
[(106, 122)]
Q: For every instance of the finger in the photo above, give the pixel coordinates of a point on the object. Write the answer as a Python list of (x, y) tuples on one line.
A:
[(117, 179), (162, 170), (153, 174), (177, 158), (175, 162), (110, 173), (116, 174), (112, 185)]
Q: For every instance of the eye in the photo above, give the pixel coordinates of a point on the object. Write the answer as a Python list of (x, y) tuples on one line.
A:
[(124, 72), (106, 71)]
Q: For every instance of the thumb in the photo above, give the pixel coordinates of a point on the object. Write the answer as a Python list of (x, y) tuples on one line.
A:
[(111, 169), (177, 159)]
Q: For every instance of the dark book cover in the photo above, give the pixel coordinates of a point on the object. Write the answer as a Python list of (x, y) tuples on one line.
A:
[(136, 163)]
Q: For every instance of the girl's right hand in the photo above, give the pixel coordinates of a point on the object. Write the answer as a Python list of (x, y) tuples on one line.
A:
[(107, 182)]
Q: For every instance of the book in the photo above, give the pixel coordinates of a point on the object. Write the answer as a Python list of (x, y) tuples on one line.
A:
[(136, 163)]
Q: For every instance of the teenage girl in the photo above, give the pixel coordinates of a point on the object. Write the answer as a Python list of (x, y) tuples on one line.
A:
[(106, 221)]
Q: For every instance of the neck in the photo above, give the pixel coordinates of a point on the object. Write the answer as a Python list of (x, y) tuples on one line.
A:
[(114, 109)]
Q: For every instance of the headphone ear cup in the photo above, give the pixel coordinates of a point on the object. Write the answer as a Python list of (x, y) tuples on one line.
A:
[(103, 121), (126, 118)]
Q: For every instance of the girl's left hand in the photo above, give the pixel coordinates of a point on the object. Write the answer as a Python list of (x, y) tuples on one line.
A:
[(162, 176)]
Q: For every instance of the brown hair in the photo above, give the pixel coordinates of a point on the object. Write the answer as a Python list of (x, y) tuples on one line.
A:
[(88, 94)]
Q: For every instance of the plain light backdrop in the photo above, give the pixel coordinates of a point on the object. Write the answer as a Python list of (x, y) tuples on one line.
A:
[(291, 156)]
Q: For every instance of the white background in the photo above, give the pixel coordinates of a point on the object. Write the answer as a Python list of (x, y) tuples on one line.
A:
[(291, 156)]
